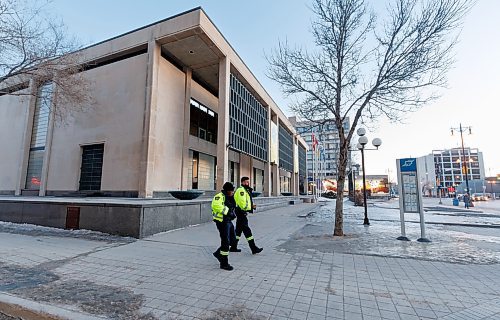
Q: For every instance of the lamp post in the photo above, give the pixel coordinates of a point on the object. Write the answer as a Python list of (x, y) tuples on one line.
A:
[(464, 161), (362, 142)]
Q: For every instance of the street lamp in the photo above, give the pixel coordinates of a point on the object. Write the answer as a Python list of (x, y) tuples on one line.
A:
[(464, 163), (362, 142)]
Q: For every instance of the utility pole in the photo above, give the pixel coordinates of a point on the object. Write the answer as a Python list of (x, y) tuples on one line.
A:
[(464, 161)]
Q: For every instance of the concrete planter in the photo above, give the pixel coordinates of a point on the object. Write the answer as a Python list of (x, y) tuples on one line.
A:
[(186, 195)]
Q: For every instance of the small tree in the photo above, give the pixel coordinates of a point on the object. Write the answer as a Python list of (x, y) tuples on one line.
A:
[(35, 46), (360, 70)]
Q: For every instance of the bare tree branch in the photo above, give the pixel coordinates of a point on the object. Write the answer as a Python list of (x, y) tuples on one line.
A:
[(34, 45)]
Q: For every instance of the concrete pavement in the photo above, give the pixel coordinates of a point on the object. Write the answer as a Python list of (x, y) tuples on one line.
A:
[(174, 275)]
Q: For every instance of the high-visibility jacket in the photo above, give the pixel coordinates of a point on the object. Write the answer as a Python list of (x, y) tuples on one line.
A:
[(219, 208), (243, 199)]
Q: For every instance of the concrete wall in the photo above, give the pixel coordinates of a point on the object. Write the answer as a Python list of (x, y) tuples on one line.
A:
[(202, 95), (169, 128), (115, 119), (13, 117)]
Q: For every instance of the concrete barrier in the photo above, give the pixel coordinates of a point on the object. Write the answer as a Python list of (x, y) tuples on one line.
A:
[(132, 217)]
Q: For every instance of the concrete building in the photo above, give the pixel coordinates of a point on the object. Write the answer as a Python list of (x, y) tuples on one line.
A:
[(175, 109), (329, 142), (445, 170)]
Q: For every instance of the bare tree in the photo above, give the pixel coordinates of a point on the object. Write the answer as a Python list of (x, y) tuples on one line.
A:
[(35, 46), (360, 70)]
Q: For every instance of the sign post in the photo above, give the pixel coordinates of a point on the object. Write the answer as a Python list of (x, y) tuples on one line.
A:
[(410, 195)]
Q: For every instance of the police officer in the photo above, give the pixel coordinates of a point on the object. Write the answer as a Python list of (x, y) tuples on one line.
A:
[(244, 205), (223, 207)]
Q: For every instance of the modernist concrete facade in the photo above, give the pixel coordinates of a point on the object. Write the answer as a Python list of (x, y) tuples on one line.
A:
[(175, 108)]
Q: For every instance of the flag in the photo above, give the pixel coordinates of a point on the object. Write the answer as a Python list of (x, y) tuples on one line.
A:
[(314, 142)]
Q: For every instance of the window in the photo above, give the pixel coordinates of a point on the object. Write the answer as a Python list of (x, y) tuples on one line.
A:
[(258, 180), (38, 137), (285, 149), (234, 173), (202, 171), (203, 122), (248, 121), (91, 169)]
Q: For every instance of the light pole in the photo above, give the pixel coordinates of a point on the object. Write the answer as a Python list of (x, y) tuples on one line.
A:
[(464, 161), (362, 142)]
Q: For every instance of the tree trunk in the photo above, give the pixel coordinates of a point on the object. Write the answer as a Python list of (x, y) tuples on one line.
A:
[(341, 173), (339, 207)]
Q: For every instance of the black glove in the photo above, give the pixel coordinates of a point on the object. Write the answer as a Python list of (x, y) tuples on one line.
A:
[(231, 214)]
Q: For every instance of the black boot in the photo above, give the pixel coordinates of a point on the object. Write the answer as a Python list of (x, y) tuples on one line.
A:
[(253, 247), (217, 255), (224, 263), (234, 247)]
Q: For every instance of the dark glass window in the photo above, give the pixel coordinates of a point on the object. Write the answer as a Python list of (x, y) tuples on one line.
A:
[(91, 170), (39, 137), (248, 121), (285, 149), (203, 122)]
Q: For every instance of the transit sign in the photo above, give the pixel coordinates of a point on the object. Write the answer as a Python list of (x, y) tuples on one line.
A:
[(410, 195)]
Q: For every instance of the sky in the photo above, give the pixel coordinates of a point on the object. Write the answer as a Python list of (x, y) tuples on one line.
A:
[(254, 27)]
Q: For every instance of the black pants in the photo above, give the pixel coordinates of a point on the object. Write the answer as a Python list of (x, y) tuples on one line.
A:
[(242, 226), (227, 235)]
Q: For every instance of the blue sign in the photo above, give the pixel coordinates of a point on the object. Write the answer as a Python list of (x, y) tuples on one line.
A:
[(408, 165)]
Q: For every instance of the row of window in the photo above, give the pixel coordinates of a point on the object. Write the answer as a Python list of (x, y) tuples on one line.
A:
[(302, 161), (285, 149), (248, 125)]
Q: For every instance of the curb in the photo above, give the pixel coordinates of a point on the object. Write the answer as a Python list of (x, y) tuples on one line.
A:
[(30, 310)]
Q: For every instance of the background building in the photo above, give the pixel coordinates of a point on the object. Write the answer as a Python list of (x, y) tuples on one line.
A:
[(445, 170), (175, 108), (328, 145)]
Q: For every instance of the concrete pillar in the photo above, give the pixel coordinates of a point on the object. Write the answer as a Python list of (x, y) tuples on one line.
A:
[(185, 184), (48, 146), (275, 180), (246, 167), (149, 123), (25, 147), (267, 165), (294, 181), (223, 125)]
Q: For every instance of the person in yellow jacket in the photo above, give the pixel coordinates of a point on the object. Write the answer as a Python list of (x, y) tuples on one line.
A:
[(223, 207), (244, 205)]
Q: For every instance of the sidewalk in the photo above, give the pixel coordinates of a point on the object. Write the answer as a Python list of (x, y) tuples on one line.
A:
[(303, 273)]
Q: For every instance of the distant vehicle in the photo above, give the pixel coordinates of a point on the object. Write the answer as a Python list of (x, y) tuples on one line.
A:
[(479, 197), (330, 194)]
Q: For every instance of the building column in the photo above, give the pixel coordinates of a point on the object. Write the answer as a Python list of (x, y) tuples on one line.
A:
[(185, 184), (275, 167), (25, 147), (267, 165), (223, 123), (295, 172), (146, 171), (48, 146)]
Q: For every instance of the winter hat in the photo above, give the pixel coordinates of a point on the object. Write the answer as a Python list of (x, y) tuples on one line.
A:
[(228, 186)]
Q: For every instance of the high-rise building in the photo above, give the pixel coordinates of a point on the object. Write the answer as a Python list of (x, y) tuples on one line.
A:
[(446, 169), (328, 144)]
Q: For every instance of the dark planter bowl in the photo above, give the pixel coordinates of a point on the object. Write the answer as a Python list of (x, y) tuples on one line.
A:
[(187, 194), (286, 194), (256, 194)]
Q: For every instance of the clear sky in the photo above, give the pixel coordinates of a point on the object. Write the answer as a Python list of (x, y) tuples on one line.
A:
[(254, 27)]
